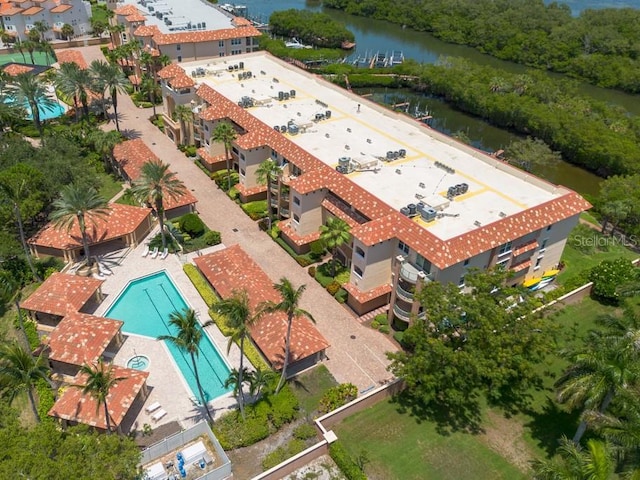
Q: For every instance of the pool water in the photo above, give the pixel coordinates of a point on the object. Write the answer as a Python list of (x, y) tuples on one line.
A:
[(145, 305), (139, 362), (56, 111)]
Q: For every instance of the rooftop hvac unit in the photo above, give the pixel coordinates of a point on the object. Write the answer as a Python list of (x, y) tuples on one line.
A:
[(283, 128), (389, 155), (404, 211), (293, 129), (241, 65), (281, 96), (477, 223), (327, 114), (428, 214), (413, 208), (276, 128), (402, 152), (344, 165), (286, 95), (464, 187), (292, 93)]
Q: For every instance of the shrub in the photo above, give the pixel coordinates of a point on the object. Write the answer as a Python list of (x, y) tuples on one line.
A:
[(384, 329), (191, 151), (30, 329), (45, 400), (382, 319), (221, 323), (312, 271), (333, 288), (398, 336), (263, 418), (609, 275), (212, 237), (337, 396), (280, 454), (317, 247), (303, 261), (305, 431), (341, 295), (192, 224), (375, 325), (345, 463), (201, 284), (256, 210)]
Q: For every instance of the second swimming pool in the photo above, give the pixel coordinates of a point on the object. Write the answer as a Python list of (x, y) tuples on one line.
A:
[(145, 305)]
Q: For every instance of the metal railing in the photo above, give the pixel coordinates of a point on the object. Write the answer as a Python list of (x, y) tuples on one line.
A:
[(404, 294)]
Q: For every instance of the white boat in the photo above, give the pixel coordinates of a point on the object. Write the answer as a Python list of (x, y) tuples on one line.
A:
[(397, 58), (294, 43)]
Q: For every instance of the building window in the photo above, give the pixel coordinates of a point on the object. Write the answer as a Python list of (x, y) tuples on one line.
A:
[(503, 263), (543, 245), (549, 227), (466, 262), (234, 150), (423, 264), (178, 47), (242, 156), (179, 58), (461, 282), (221, 54), (296, 200), (242, 172), (206, 127), (360, 252), (357, 270), (404, 247), (221, 43), (504, 249), (538, 261), (296, 218)]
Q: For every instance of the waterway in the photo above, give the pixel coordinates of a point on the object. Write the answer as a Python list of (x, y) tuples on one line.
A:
[(374, 35)]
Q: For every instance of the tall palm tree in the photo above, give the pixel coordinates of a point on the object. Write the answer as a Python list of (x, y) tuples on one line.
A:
[(79, 204), (188, 336), (574, 463), (604, 368), (290, 299), (237, 310), (150, 88), (75, 82), (104, 143), (19, 47), (17, 185), (10, 291), (266, 173), (334, 234), (225, 133), (235, 380), (97, 70), (114, 32), (184, 115), (20, 371), (41, 27), (156, 182), (30, 46), (29, 90), (100, 380), (115, 82), (258, 380)]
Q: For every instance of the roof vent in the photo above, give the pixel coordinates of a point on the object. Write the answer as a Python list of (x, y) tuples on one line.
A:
[(349, 130), (368, 140), (421, 185), (326, 135), (347, 147), (398, 171), (502, 214), (477, 223)]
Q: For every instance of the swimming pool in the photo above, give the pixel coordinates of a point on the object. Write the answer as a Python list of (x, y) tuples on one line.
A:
[(56, 110), (145, 305)]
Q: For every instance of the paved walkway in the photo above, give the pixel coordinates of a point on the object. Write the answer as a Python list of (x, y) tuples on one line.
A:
[(357, 353)]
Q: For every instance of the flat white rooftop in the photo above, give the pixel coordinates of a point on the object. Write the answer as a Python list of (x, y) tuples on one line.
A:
[(369, 134), (181, 13)]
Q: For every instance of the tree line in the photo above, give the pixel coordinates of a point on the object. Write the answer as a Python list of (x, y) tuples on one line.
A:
[(313, 28), (599, 46)]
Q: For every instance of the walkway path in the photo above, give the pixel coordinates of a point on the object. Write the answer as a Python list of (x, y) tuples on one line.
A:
[(357, 353)]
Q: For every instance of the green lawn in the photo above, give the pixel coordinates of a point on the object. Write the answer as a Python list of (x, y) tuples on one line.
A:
[(99, 13), (110, 186), (400, 447), (310, 386)]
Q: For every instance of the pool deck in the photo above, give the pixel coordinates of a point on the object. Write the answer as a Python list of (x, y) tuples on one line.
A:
[(166, 384)]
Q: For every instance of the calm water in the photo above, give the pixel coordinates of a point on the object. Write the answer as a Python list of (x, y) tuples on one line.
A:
[(145, 305), (373, 35)]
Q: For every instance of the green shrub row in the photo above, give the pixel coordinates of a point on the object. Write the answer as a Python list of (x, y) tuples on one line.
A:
[(46, 400), (345, 463), (30, 329), (337, 396), (256, 210), (188, 150), (333, 288), (280, 454), (201, 284), (341, 295), (305, 432), (255, 357), (263, 418)]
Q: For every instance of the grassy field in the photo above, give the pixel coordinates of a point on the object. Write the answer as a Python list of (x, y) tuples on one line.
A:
[(399, 446), (110, 186), (310, 386)]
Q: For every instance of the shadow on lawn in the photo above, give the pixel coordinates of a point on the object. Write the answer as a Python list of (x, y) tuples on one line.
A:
[(550, 424)]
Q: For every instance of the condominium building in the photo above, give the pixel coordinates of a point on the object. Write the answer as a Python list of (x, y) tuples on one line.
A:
[(184, 31), (421, 206), (20, 16)]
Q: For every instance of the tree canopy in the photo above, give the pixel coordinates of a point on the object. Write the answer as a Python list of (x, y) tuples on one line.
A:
[(314, 28)]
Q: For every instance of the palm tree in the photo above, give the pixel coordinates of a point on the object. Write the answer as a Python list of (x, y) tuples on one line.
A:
[(185, 116), (79, 204), (30, 46), (154, 183), (115, 30), (290, 299), (235, 380), (266, 173), (574, 463), (29, 90), (16, 186), (100, 380), (237, 310), (258, 380), (41, 27), (20, 371), (97, 70), (149, 87), (10, 291), (334, 234), (18, 46), (67, 31), (604, 368), (104, 143), (75, 82), (225, 133), (116, 82), (189, 334)]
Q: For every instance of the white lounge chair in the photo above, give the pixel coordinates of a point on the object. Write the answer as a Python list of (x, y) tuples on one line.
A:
[(164, 254), (154, 254), (145, 252), (99, 276), (158, 415), (104, 270), (153, 407)]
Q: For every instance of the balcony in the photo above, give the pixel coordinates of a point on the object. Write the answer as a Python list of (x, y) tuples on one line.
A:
[(406, 316), (404, 294), (412, 274)]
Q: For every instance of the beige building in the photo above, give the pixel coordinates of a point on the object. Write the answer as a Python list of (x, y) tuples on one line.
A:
[(421, 206)]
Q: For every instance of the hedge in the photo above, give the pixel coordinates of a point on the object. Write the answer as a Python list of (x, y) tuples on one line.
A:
[(45, 400), (30, 329), (280, 454), (345, 463), (341, 295), (263, 418), (201, 284)]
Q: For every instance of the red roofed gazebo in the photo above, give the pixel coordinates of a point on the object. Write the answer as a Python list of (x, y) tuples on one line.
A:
[(124, 401), (123, 226), (81, 339), (62, 294), (233, 269)]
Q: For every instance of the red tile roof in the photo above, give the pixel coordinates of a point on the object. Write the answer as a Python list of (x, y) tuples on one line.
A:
[(181, 81), (61, 294), (240, 22), (171, 71), (364, 297), (121, 220), (233, 269), (80, 338), (146, 31), (71, 56), (126, 10), (524, 248), (61, 8), (209, 159), (14, 69), (10, 10), (285, 227), (521, 266), (32, 11), (135, 17), (75, 406), (132, 154), (251, 190), (205, 35)]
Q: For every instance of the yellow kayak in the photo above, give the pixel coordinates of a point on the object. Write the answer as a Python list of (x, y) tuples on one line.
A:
[(550, 273), (532, 282)]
